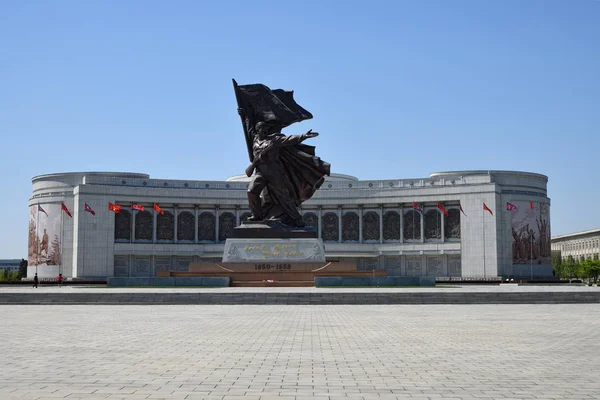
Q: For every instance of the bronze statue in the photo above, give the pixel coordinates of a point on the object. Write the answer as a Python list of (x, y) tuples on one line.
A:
[(287, 171)]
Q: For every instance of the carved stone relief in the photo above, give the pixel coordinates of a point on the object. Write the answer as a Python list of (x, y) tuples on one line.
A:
[(330, 231), (185, 226), (350, 227), (412, 225), (165, 226), (207, 227), (370, 226), (123, 225), (391, 226)]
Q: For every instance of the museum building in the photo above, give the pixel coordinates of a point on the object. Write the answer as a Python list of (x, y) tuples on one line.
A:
[(435, 226), (578, 245)]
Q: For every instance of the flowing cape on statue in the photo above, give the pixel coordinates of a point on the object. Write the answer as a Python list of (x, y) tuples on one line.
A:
[(305, 170)]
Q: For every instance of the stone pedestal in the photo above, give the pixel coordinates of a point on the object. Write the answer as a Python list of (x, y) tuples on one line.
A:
[(261, 250)]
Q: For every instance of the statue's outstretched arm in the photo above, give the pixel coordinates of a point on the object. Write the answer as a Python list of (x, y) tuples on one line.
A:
[(292, 140)]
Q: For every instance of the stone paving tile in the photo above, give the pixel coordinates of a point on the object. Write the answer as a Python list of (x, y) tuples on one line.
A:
[(298, 352)]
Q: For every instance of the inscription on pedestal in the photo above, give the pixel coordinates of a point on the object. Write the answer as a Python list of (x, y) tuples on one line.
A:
[(273, 250)]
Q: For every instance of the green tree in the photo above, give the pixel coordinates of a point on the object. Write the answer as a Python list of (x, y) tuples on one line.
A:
[(560, 269), (577, 270), (596, 256), (570, 268), (22, 269), (591, 269)]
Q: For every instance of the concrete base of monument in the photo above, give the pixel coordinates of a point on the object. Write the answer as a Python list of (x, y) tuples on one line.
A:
[(272, 273), (271, 250)]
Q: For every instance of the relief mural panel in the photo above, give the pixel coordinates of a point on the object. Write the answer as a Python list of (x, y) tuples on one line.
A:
[(165, 226), (185, 226), (391, 226), (412, 225), (207, 226), (370, 226), (330, 231), (350, 227)]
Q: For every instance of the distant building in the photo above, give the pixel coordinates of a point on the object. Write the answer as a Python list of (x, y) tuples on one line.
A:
[(430, 226), (579, 245), (11, 265)]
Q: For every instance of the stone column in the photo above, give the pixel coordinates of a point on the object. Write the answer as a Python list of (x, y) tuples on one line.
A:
[(154, 217), (381, 223), (443, 217), (176, 215), (132, 226), (423, 225), (217, 224), (360, 224), (319, 224), (196, 223), (237, 215), (339, 213), (401, 212)]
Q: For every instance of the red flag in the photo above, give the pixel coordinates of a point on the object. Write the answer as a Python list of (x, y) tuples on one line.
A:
[(65, 209), (158, 209), (416, 207), (114, 208), (89, 209), (441, 207), (137, 207), (461, 209), (42, 210), (487, 209), (531, 205)]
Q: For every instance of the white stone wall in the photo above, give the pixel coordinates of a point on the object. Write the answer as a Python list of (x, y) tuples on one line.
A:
[(89, 248)]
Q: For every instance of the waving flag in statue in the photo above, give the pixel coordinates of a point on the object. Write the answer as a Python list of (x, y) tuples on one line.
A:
[(510, 207), (461, 209), (263, 104), (137, 207)]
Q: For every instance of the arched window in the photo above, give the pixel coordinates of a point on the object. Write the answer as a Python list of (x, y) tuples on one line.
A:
[(206, 227), (185, 226), (391, 226), (143, 225), (370, 226), (165, 226), (311, 219), (350, 227), (123, 225), (226, 225), (412, 225), (433, 224), (452, 224), (330, 230)]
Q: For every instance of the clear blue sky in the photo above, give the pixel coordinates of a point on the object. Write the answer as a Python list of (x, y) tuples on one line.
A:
[(398, 89)]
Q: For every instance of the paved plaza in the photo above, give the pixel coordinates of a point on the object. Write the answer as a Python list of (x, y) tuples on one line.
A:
[(295, 352)]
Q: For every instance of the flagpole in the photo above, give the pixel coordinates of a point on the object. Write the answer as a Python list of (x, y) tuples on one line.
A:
[(483, 230), (530, 256), (62, 239), (37, 244), (83, 253)]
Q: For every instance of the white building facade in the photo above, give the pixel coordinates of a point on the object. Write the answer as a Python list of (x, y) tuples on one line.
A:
[(579, 245), (372, 223)]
